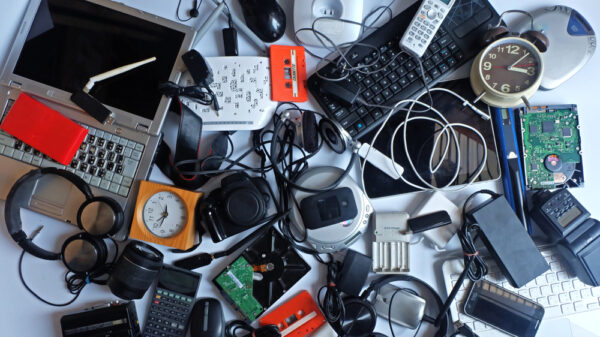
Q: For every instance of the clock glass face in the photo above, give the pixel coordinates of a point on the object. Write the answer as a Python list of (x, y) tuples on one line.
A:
[(510, 67), (165, 214)]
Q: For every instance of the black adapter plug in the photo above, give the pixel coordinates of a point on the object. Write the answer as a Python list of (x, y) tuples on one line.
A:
[(355, 269)]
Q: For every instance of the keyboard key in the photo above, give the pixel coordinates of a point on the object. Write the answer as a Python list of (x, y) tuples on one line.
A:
[(18, 154), (376, 88), (556, 289), (123, 191), (401, 71), (552, 311), (395, 88), (27, 157), (436, 58), (359, 126), (6, 140), (411, 76), (387, 93), (443, 67), (139, 147), (100, 142), (117, 178), (91, 139), (37, 161), (18, 145), (93, 170), (377, 113), (123, 142), (341, 113), (434, 47), (384, 83), (114, 188), (95, 181), (360, 111), (136, 155), (119, 148), (567, 309), (444, 40), (567, 286), (378, 100), (376, 76), (435, 73), (119, 169), (367, 95), (126, 182), (410, 65), (346, 122), (368, 120), (564, 298), (104, 184)]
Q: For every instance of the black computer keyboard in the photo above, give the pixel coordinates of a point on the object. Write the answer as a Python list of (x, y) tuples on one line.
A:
[(455, 43)]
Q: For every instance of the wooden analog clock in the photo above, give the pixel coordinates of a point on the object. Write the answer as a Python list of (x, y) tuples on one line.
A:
[(165, 215), (507, 72)]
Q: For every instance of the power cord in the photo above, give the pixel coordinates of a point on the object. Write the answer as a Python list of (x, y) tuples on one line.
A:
[(475, 267)]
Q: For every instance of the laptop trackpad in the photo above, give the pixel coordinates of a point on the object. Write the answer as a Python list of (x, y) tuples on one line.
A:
[(51, 195), (555, 327)]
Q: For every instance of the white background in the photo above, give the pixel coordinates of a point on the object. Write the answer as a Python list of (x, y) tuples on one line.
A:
[(23, 315)]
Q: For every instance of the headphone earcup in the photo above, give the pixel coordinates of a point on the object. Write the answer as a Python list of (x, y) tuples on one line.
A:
[(98, 215), (494, 34), (539, 39), (310, 135), (360, 317), (84, 253), (332, 136)]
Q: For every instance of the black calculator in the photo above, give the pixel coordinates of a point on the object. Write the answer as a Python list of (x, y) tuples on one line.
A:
[(172, 303)]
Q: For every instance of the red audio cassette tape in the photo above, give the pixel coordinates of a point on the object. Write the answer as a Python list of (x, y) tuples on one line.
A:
[(297, 317), (288, 74)]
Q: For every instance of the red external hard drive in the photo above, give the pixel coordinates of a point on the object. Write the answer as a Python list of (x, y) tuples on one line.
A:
[(44, 129)]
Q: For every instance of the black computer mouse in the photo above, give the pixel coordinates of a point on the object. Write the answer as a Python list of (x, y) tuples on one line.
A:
[(207, 319), (265, 18)]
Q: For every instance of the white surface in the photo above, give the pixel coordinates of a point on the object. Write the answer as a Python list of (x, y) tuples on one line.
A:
[(24, 316), (306, 12)]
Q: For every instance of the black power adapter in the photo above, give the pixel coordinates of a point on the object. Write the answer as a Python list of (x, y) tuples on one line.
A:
[(353, 276)]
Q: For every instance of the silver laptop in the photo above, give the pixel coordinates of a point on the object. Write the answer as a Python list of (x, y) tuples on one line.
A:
[(59, 45), (572, 308)]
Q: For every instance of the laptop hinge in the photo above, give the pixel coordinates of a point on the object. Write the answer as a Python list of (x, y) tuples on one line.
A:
[(142, 128), (16, 85)]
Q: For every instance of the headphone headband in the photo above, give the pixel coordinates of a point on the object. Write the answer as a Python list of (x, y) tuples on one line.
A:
[(19, 196)]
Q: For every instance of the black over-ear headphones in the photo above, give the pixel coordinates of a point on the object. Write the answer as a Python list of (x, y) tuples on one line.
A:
[(499, 31), (98, 216), (360, 316)]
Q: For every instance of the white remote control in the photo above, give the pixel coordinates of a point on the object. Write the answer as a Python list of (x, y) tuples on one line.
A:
[(424, 25)]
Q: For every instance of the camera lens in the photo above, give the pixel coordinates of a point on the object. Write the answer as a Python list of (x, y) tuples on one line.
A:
[(135, 270)]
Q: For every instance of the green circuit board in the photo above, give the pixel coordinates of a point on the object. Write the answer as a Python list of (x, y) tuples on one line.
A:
[(236, 283), (551, 146)]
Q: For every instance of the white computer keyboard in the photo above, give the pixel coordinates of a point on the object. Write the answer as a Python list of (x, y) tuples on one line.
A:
[(559, 294)]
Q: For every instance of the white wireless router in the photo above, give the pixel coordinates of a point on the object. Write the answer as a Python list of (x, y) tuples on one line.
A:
[(307, 11)]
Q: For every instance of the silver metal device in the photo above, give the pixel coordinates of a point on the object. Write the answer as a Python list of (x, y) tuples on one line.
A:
[(572, 42), (407, 308), (337, 236), (132, 139)]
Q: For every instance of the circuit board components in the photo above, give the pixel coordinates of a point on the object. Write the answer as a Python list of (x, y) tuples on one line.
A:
[(552, 153)]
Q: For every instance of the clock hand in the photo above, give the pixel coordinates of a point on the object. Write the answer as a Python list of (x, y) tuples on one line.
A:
[(519, 70), (519, 60)]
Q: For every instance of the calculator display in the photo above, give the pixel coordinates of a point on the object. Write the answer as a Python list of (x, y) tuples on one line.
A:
[(178, 282)]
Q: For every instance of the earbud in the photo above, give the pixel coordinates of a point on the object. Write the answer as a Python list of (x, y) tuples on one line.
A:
[(194, 11)]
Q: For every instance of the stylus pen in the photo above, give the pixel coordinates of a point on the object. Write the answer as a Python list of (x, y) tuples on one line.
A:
[(239, 25)]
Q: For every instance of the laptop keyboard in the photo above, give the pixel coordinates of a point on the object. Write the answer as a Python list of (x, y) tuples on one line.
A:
[(400, 77), (104, 160), (559, 294)]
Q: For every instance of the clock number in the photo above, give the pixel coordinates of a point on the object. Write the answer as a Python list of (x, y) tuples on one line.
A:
[(494, 85), (513, 49), (505, 87), (517, 88), (531, 71), (492, 56), (487, 66), (488, 77), (501, 49)]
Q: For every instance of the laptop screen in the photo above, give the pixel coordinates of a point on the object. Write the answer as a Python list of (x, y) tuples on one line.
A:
[(71, 41)]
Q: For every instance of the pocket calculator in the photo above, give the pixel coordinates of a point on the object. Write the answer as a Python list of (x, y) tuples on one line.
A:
[(172, 303)]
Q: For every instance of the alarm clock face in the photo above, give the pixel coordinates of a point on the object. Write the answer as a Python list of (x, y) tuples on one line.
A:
[(165, 214), (510, 67)]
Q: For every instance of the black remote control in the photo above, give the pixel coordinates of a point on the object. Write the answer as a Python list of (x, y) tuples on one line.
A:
[(172, 303)]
